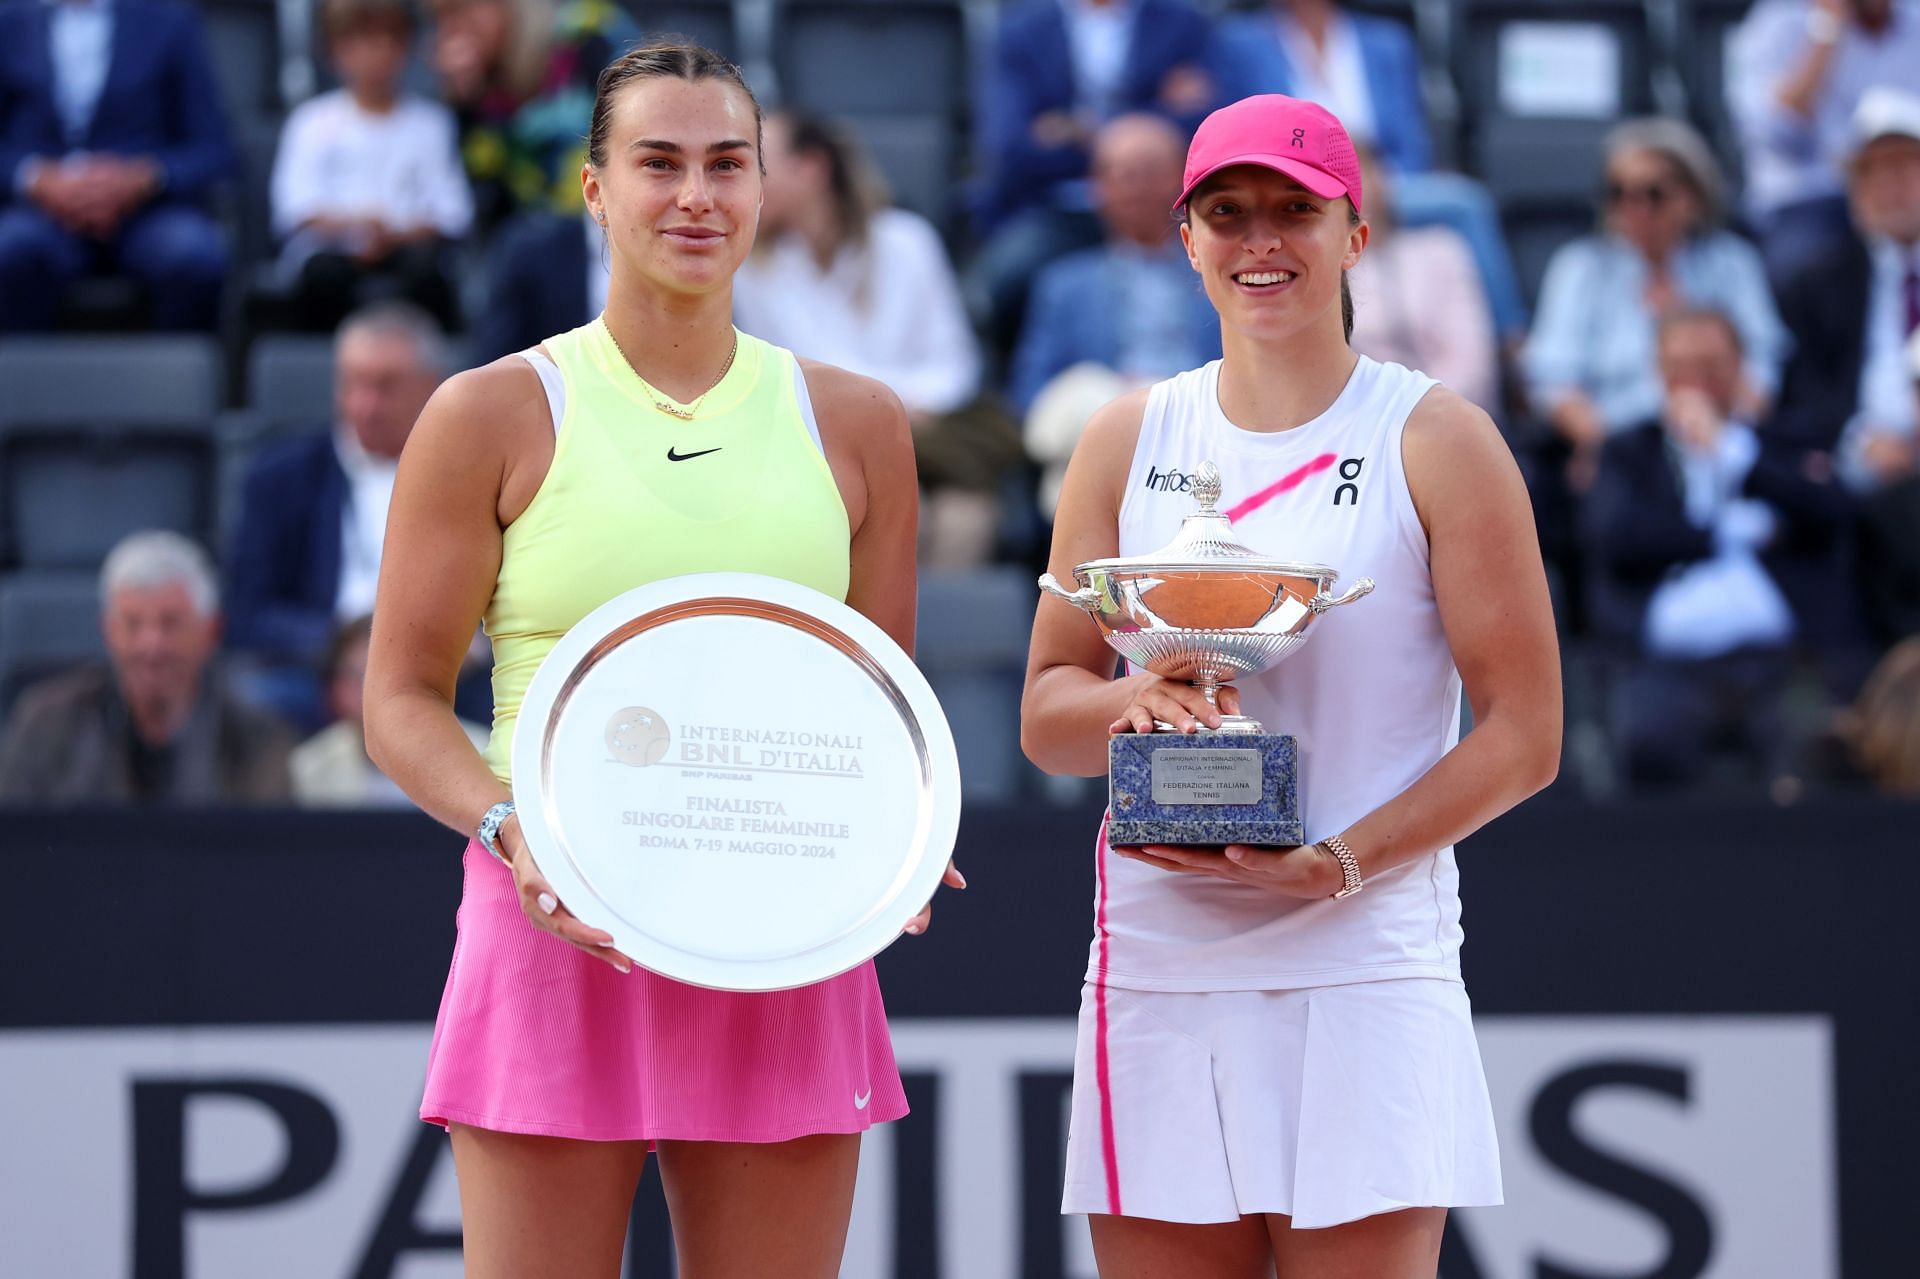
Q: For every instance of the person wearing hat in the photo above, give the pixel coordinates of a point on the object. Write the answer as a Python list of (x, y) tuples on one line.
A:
[(1276, 1066), (1852, 313)]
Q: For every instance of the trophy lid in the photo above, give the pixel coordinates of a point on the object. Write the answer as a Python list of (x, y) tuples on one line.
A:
[(1206, 543)]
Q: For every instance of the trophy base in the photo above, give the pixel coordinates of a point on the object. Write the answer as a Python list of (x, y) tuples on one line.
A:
[(1203, 789)]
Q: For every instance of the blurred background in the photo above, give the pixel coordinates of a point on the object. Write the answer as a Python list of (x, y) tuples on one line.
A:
[(1672, 246)]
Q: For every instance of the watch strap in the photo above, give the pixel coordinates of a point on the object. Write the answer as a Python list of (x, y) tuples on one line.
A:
[(1350, 881), (489, 832)]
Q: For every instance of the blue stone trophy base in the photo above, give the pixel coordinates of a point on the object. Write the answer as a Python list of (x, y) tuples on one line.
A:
[(1203, 789)]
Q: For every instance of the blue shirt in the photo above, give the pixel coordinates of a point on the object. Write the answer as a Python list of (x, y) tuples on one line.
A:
[(80, 36), (1594, 334), (1792, 158)]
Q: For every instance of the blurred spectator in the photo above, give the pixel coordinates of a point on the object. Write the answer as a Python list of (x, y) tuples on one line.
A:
[(313, 512), (546, 274), (1365, 69), (519, 75), (836, 276), (1797, 70), (331, 768), (1698, 535), (367, 185), (1882, 728), (1417, 299), (109, 172), (1590, 363), (1106, 319), (1060, 69), (1855, 313), (155, 726)]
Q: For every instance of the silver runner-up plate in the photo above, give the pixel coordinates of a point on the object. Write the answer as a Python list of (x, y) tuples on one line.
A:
[(746, 782)]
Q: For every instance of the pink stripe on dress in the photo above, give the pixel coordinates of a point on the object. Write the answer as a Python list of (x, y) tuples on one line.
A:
[(1102, 1075)]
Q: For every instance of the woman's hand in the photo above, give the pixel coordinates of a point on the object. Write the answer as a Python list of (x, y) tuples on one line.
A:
[(1172, 702), (919, 923), (543, 909), (1305, 870)]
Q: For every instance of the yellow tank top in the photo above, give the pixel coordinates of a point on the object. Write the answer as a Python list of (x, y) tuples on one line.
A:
[(635, 495)]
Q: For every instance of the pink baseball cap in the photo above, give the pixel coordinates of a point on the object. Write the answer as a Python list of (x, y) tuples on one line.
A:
[(1302, 140)]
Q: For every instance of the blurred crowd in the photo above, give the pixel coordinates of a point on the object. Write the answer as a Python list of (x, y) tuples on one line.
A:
[(1715, 396)]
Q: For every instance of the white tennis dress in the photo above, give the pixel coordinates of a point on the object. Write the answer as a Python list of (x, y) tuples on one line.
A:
[(1242, 1052)]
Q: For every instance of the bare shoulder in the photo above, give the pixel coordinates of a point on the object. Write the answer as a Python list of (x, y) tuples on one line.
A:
[(1452, 451), (494, 398), (851, 406), (484, 427)]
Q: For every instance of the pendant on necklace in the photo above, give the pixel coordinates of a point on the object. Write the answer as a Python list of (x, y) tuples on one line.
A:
[(671, 411)]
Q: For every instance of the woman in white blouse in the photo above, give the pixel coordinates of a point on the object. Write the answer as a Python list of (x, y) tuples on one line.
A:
[(840, 277)]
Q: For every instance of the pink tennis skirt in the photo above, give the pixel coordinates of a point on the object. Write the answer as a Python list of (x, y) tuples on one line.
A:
[(536, 1037)]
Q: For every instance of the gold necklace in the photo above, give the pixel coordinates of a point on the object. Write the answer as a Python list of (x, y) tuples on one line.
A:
[(667, 406)]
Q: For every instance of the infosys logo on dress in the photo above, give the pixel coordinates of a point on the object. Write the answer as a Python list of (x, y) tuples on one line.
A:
[(1168, 481)]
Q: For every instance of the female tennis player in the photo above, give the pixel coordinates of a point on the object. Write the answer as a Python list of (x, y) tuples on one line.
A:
[(653, 442), (1275, 1071)]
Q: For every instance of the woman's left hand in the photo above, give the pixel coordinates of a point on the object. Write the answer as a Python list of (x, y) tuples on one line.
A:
[(1305, 870), (919, 923)]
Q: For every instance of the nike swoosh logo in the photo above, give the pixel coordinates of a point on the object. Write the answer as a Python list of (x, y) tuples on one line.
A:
[(860, 1099), (686, 457)]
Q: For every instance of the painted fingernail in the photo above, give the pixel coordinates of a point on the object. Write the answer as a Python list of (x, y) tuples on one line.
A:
[(625, 968), (914, 929), (962, 878), (605, 944), (548, 903)]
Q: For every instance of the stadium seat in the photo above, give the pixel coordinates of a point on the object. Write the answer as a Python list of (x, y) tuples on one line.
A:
[(710, 22), (971, 642), (1542, 82), (894, 71), (48, 621), (68, 493), (1705, 29), (244, 39), (873, 57), (290, 380), (145, 380)]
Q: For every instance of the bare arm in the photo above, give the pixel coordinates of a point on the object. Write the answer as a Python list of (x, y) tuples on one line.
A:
[(1800, 89), (438, 567), (1492, 593), (1072, 702), (869, 446), (473, 462)]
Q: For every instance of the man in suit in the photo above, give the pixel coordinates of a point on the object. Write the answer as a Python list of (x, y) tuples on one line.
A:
[(1848, 387), (155, 724), (1060, 69), (306, 549), (546, 274), (1713, 553), (112, 137), (1133, 305)]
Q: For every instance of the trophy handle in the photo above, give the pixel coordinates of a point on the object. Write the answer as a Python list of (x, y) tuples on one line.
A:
[(1087, 598), (1323, 601)]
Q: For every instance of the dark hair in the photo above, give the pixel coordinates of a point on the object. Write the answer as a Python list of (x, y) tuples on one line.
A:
[(1684, 315), (341, 18), (1346, 290), (666, 58), (855, 191)]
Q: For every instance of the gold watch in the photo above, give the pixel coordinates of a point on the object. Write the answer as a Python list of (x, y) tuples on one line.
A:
[(1350, 882)]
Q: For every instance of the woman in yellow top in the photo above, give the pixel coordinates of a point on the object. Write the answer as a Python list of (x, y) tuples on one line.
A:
[(653, 442)]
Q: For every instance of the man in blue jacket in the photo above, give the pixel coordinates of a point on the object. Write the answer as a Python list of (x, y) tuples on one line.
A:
[(1060, 70), (108, 171), (306, 549)]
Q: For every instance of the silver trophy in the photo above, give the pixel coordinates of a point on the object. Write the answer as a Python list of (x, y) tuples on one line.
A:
[(1207, 609)]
